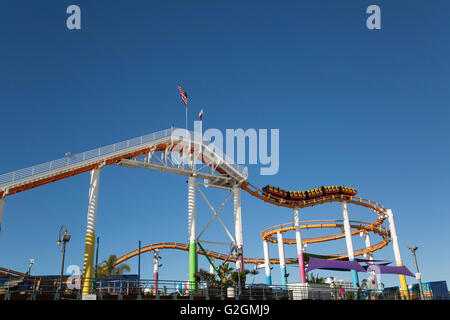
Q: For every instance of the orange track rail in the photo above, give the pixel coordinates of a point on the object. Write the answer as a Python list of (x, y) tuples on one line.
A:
[(185, 247), (361, 226), (268, 234), (87, 168)]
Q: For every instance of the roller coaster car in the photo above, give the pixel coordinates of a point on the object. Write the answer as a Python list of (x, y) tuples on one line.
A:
[(310, 194), (275, 191), (329, 190), (348, 191), (315, 193), (297, 195)]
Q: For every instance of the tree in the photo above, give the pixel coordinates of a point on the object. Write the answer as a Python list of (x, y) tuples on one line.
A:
[(315, 279), (242, 276), (108, 268), (225, 272), (225, 275), (209, 278)]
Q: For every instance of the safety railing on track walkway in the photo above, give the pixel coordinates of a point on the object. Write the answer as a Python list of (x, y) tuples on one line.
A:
[(71, 160), (80, 157)]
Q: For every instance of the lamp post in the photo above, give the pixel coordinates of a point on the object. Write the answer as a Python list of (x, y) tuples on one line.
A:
[(413, 252), (68, 154), (62, 238), (29, 266)]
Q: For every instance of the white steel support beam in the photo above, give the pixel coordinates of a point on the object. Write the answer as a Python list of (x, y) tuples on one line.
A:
[(282, 259), (369, 255), (394, 237), (164, 167), (366, 237), (347, 231), (267, 262), (238, 228), (192, 229), (192, 223), (216, 215), (398, 257), (349, 242)]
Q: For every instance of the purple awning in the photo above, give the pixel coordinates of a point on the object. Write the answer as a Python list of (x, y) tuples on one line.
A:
[(335, 265), (382, 269)]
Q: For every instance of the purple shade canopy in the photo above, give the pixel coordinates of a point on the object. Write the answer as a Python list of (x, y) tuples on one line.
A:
[(382, 269), (335, 265)]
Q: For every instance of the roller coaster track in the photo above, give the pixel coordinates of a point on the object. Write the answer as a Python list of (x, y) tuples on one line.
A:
[(164, 142), (357, 226), (185, 247), (161, 141), (258, 193), (10, 272), (268, 234)]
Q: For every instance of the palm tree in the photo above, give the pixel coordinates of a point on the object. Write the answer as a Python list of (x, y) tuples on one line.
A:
[(315, 279), (108, 268), (225, 272), (242, 276), (209, 278)]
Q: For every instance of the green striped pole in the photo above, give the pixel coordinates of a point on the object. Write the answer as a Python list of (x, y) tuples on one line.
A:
[(192, 223)]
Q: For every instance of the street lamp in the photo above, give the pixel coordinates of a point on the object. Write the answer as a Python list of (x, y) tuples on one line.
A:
[(68, 154), (413, 252), (29, 266), (62, 238)]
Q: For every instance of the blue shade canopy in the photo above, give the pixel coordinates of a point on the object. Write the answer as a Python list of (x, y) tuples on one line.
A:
[(383, 269), (334, 265)]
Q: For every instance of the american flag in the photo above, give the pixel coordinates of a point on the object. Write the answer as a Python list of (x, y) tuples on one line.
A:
[(183, 95), (200, 115)]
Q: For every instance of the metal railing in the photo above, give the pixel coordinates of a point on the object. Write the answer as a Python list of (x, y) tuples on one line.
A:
[(133, 289), (81, 157), (93, 155)]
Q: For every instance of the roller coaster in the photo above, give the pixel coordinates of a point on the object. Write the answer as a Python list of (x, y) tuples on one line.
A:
[(201, 161)]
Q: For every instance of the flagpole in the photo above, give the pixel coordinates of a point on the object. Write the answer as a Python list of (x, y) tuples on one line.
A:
[(184, 98)]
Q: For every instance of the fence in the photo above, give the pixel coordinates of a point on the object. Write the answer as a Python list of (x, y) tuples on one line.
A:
[(133, 289)]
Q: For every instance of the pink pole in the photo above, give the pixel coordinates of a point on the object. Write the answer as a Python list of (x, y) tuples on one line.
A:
[(155, 270), (155, 280), (298, 237)]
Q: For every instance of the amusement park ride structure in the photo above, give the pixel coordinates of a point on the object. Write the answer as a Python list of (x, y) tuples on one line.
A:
[(200, 162)]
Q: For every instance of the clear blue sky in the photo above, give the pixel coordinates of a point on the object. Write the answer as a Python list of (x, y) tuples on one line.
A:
[(368, 109)]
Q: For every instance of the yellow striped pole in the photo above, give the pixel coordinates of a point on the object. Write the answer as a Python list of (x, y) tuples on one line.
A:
[(88, 264), (398, 258)]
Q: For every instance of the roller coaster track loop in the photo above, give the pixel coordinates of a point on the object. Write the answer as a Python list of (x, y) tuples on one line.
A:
[(357, 226), (268, 234), (258, 193)]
